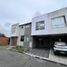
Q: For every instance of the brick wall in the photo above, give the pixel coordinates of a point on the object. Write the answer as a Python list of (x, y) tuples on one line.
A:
[(3, 40)]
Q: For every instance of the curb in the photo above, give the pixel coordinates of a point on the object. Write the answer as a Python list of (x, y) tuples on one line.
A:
[(43, 58)]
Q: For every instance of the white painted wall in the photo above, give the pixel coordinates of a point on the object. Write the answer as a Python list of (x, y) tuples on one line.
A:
[(39, 32), (48, 27), (15, 27), (19, 43), (57, 13), (21, 33), (21, 30)]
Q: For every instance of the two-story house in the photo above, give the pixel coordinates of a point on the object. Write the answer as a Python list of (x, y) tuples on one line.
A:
[(24, 38), (21, 35), (43, 31), (48, 28), (14, 34)]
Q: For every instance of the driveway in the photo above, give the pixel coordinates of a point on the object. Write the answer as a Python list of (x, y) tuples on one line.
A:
[(59, 59), (14, 59), (40, 52)]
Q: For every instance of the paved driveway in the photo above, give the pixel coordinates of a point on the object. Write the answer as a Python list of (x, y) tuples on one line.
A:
[(58, 58), (40, 52), (14, 59)]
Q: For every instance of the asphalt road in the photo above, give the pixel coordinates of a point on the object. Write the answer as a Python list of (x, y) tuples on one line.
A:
[(14, 59)]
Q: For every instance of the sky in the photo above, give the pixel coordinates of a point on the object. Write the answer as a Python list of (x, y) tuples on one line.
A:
[(21, 11)]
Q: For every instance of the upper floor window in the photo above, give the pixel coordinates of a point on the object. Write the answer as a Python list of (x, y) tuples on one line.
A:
[(58, 22), (13, 29), (40, 25)]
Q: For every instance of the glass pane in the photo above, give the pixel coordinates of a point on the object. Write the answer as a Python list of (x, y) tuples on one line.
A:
[(39, 25), (58, 22)]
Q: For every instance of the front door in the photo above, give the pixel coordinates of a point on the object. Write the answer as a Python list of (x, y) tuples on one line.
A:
[(14, 41)]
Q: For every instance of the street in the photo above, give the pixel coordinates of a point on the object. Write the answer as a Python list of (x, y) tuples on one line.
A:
[(15, 59)]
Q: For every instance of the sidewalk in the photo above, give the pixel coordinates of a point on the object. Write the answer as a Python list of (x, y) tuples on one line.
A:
[(56, 58), (52, 57)]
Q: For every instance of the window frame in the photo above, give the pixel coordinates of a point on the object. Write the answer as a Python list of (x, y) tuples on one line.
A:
[(63, 16), (22, 38), (13, 29), (39, 22)]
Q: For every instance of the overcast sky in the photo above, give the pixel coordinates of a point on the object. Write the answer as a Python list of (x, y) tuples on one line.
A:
[(13, 11)]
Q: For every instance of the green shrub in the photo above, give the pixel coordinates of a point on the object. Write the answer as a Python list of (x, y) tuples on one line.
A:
[(20, 49)]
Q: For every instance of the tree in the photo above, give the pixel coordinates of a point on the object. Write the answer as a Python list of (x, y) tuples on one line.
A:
[(2, 35)]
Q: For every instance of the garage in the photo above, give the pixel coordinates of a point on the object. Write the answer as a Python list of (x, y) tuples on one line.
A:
[(58, 37), (41, 42), (46, 42)]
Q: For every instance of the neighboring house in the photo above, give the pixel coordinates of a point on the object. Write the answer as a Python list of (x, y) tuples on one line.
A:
[(14, 34), (3, 40), (43, 31), (24, 38), (21, 35)]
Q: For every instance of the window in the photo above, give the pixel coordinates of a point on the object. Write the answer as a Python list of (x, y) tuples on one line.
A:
[(58, 22), (22, 38), (40, 25), (13, 29)]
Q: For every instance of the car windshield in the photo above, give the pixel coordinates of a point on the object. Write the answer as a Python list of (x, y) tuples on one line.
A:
[(60, 43)]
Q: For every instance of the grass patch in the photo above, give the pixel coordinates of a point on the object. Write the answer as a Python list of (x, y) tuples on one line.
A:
[(19, 49), (4, 46)]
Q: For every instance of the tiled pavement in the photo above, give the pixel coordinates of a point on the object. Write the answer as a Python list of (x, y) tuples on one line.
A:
[(56, 58), (40, 52), (47, 55)]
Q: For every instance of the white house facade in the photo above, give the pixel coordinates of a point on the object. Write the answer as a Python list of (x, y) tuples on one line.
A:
[(52, 23), (49, 28), (43, 31)]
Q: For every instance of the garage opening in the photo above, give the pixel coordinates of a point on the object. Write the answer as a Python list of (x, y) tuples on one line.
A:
[(57, 38), (41, 42)]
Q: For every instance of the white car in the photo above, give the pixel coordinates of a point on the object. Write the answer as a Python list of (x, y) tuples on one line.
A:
[(60, 47)]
